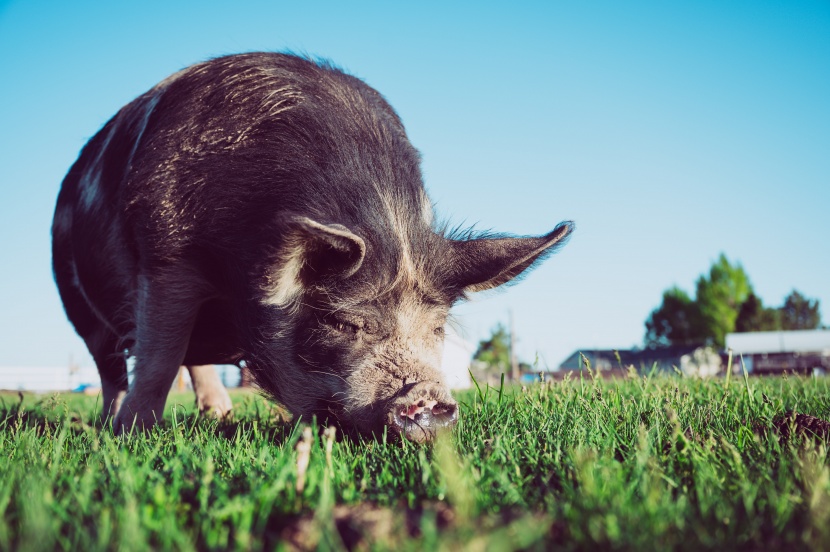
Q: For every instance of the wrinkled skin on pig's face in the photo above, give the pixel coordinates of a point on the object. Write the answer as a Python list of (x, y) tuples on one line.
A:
[(369, 353), (365, 328), (366, 359)]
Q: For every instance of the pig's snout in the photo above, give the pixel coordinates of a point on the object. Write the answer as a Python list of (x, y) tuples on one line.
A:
[(422, 411)]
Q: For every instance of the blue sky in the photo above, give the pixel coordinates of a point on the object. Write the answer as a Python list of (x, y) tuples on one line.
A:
[(670, 132)]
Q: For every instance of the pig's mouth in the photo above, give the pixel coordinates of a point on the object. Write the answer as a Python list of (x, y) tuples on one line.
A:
[(419, 414)]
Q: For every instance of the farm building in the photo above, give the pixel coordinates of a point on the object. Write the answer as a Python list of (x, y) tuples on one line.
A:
[(691, 360), (802, 351)]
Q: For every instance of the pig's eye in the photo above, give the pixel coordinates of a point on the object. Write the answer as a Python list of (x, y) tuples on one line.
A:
[(345, 327)]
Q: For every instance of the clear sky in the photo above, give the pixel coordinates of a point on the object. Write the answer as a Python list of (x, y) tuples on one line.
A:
[(669, 131)]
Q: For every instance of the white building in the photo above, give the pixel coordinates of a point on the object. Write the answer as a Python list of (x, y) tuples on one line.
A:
[(802, 351)]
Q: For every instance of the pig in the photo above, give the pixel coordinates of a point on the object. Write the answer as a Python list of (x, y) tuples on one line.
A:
[(268, 208)]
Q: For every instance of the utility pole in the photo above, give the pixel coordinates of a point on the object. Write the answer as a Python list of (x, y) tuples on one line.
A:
[(514, 365)]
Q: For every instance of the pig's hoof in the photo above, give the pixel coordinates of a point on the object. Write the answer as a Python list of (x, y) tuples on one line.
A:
[(216, 404), (421, 417), (125, 423)]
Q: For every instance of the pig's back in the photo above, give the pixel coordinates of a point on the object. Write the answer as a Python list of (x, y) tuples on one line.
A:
[(201, 166), (230, 144)]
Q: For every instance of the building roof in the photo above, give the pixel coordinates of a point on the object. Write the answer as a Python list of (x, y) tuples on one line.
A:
[(800, 341)]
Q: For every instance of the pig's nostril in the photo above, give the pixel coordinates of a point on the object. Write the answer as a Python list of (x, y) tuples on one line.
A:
[(445, 414), (415, 410), (442, 409)]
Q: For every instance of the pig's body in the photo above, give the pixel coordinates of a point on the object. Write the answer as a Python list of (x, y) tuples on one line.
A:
[(266, 208)]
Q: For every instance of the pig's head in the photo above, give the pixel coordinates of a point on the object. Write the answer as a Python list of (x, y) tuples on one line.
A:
[(354, 323)]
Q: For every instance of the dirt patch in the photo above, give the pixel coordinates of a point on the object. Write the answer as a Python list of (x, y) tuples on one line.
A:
[(363, 526), (793, 423)]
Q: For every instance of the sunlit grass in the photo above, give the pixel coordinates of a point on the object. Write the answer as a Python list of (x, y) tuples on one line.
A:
[(642, 463)]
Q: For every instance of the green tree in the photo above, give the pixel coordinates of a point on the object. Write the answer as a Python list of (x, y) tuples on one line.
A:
[(724, 302), (754, 317), (720, 297), (677, 321), (495, 351), (800, 313), (706, 319)]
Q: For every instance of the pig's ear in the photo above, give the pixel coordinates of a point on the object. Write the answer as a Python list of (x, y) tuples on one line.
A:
[(310, 253), (485, 263)]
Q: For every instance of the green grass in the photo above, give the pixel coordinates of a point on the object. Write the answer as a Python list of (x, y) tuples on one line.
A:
[(638, 464)]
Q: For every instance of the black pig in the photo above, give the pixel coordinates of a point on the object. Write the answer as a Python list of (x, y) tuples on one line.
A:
[(269, 209)]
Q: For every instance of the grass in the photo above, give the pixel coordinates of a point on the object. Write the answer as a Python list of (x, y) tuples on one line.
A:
[(649, 462)]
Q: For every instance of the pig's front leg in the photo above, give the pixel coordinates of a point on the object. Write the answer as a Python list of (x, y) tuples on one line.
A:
[(166, 309), (211, 396)]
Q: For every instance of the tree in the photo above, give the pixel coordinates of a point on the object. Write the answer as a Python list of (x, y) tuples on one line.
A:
[(495, 351), (754, 317), (797, 313), (720, 297), (800, 313), (724, 302), (706, 319), (677, 321)]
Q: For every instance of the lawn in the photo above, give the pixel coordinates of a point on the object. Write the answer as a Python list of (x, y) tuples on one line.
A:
[(647, 462)]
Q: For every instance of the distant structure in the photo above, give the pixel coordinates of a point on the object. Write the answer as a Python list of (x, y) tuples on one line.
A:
[(50, 379), (801, 351), (45, 379), (690, 360)]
